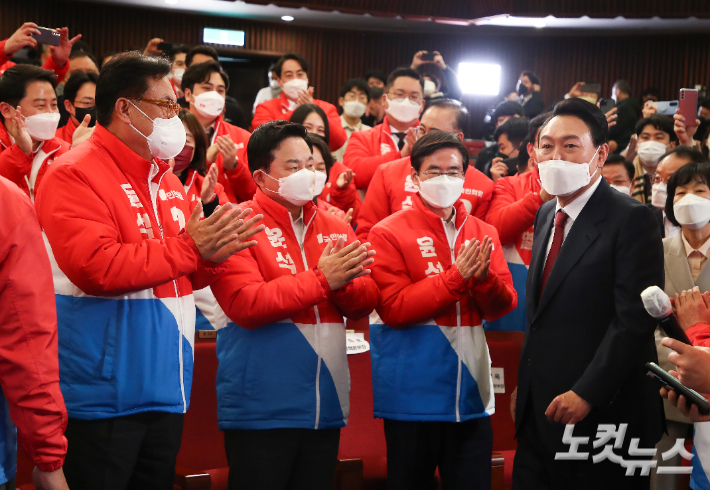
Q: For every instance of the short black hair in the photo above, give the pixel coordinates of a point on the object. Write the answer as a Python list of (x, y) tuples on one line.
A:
[(704, 102), (106, 55), (615, 159), (357, 83), (201, 73), (80, 45), (201, 49), (589, 113), (378, 74), (15, 80), (623, 86), (267, 138), (659, 122), (199, 157), (462, 115), (509, 108), (317, 141), (404, 72), (302, 112), (652, 91), (126, 75), (516, 128), (682, 151), (376, 93), (534, 127), (84, 54), (278, 66), (180, 48), (434, 141), (690, 172), (76, 81), (533, 78)]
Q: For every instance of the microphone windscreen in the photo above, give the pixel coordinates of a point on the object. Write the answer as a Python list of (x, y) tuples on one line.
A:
[(656, 302)]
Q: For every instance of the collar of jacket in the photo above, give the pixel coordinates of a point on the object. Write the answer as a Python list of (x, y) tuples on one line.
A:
[(127, 160), (434, 220), (286, 102), (386, 125), (70, 126), (279, 213)]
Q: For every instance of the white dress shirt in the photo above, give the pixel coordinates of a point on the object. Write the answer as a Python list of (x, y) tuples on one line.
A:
[(450, 229), (299, 227), (669, 228)]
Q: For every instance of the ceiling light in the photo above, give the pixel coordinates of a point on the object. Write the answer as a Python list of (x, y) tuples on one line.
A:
[(286, 18), (540, 24), (171, 1), (479, 78)]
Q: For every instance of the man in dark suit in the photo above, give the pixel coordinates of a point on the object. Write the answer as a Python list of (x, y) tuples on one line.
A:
[(588, 335)]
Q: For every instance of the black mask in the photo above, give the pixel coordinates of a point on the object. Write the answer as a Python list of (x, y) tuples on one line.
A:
[(520, 88), (81, 112)]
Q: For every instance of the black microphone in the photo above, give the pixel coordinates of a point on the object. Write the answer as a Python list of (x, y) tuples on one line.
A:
[(658, 305)]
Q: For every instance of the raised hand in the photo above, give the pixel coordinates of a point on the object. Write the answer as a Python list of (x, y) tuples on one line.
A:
[(305, 96), (228, 150), (340, 264), (83, 132), (152, 47), (344, 179), (19, 133), (684, 132), (241, 236), (20, 38), (208, 185), (498, 169), (213, 233), (61, 53), (483, 259), (467, 260), (409, 141)]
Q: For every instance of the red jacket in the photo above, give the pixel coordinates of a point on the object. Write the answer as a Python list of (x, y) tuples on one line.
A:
[(277, 110), (50, 65), (16, 165), (66, 132), (369, 149), (512, 211), (343, 199), (238, 183), (5, 141), (699, 335), (392, 189), (29, 371)]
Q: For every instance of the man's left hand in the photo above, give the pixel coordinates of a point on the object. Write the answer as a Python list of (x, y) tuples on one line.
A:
[(305, 96), (568, 408), (692, 307), (60, 53)]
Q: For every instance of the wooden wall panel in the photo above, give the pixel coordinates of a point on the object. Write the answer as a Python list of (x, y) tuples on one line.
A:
[(667, 62)]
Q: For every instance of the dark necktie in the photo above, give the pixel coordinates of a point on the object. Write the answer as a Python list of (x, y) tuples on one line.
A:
[(647, 186), (400, 140), (558, 237)]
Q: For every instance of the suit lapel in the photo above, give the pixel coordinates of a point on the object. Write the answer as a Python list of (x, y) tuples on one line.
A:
[(678, 268), (537, 259), (582, 234)]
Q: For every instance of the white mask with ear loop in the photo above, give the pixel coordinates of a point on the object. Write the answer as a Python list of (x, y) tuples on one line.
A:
[(442, 191), (562, 178), (167, 138), (321, 179), (692, 211), (298, 188)]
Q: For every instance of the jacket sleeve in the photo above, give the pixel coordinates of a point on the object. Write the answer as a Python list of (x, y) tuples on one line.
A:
[(699, 335), (346, 199), (29, 370), (483, 203), (3, 57), (60, 71), (241, 181), (357, 298), (261, 115), (404, 303), (338, 136), (375, 208), (252, 302), (87, 243), (15, 164), (639, 248), (510, 217), (453, 86), (495, 296), (360, 159)]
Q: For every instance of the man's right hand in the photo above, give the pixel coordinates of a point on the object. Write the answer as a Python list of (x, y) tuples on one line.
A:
[(692, 364), (340, 264), (49, 480), (212, 234), (649, 108), (576, 90), (498, 169), (20, 38), (684, 132), (409, 141)]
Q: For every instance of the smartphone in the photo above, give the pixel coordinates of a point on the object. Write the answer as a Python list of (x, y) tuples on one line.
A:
[(591, 88), (165, 48), (688, 105), (47, 36), (666, 107), (671, 383), (605, 105), (429, 56)]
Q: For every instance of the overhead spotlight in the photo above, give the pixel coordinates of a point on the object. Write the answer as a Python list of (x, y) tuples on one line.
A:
[(286, 18), (540, 24)]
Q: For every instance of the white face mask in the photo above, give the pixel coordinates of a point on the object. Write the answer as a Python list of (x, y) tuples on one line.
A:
[(298, 188), (354, 108), (177, 74), (292, 87), (441, 192), (429, 88), (321, 178), (274, 84), (168, 137), (209, 104), (692, 211), (650, 152), (562, 178), (659, 195), (43, 126), (624, 189), (403, 110)]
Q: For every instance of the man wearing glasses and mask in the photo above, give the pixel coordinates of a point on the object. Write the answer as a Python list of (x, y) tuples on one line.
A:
[(393, 139), (127, 256)]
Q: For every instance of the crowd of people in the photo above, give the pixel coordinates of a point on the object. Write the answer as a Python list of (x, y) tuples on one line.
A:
[(138, 192)]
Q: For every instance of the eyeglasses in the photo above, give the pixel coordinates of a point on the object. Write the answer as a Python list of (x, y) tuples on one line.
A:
[(454, 174), (416, 98), (169, 108)]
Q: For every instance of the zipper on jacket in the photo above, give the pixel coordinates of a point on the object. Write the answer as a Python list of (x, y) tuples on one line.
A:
[(315, 307), (177, 296)]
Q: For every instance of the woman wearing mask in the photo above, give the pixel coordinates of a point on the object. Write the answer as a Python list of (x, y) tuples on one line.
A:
[(313, 119), (685, 258)]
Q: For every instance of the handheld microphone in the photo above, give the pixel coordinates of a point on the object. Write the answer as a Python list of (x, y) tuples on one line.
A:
[(658, 305)]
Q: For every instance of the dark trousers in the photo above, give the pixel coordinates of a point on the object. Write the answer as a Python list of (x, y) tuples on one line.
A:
[(461, 451), (282, 459), (135, 452), (10, 484), (535, 467)]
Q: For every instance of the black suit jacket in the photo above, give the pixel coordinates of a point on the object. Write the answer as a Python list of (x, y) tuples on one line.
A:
[(658, 214), (589, 332)]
